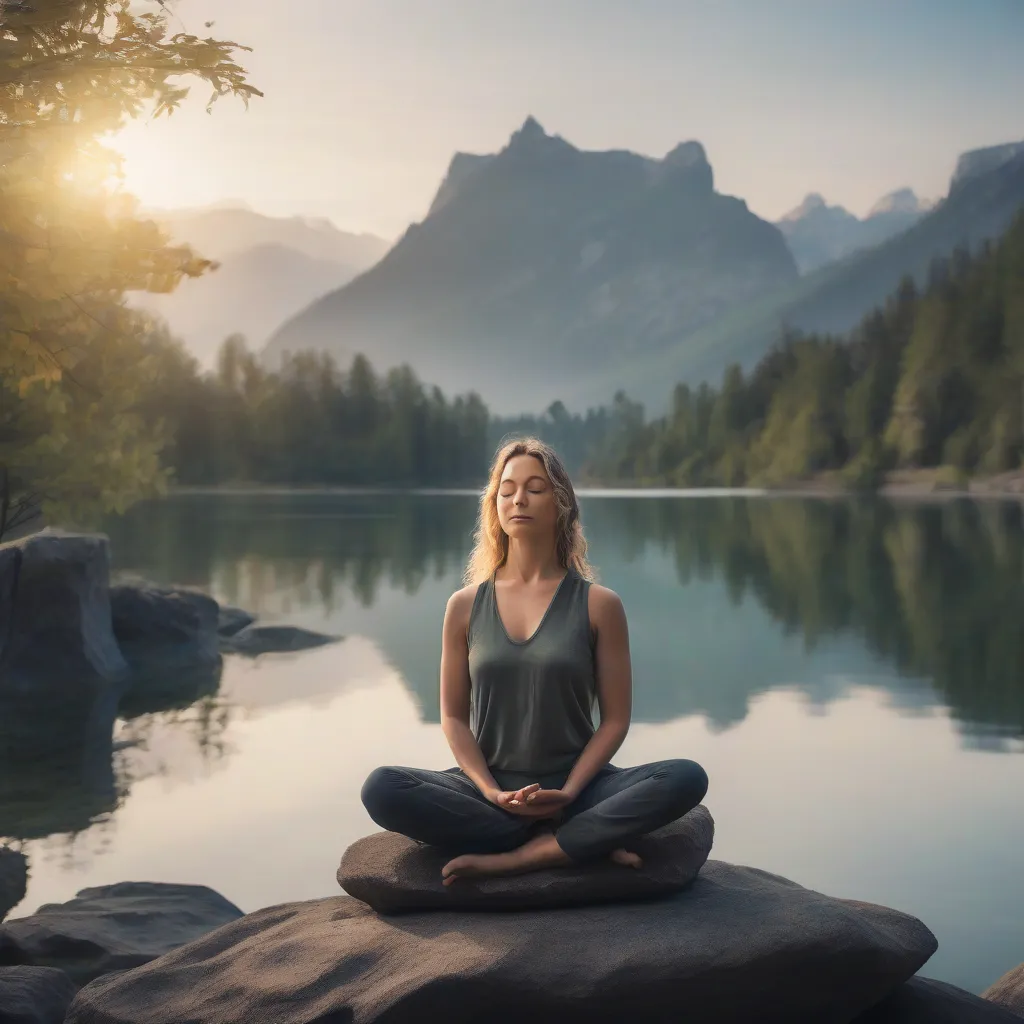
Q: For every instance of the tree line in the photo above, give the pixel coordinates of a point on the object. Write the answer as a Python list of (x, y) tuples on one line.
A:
[(309, 422), (99, 407), (934, 378)]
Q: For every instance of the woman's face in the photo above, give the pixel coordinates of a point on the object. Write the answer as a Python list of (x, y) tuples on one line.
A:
[(526, 499)]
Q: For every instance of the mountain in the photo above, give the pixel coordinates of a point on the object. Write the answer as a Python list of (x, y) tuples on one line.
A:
[(985, 193), (543, 258), (819, 234), (270, 267), (222, 230)]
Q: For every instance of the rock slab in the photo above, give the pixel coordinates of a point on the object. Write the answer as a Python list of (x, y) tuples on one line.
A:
[(113, 927), (60, 634), (395, 875), (1008, 991), (13, 879), (165, 627), (737, 945), (253, 640), (10, 566), (34, 995), (925, 1001)]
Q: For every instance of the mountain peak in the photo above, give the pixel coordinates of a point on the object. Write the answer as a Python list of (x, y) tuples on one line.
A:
[(976, 162), (690, 160), (812, 202), (531, 129), (903, 200)]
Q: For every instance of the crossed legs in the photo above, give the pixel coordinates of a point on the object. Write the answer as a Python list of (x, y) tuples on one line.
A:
[(446, 810)]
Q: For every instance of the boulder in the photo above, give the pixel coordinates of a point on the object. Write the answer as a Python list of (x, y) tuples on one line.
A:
[(737, 945), (252, 641), (13, 879), (164, 629), (59, 638), (230, 620), (113, 927), (34, 995), (924, 1001), (1008, 991), (395, 875), (10, 565)]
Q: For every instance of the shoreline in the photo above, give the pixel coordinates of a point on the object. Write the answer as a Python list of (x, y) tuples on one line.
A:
[(934, 485)]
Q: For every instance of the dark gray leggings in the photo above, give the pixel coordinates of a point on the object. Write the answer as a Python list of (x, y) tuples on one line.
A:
[(445, 809)]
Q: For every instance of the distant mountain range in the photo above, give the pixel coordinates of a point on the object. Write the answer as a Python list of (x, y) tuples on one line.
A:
[(985, 192), (819, 234), (269, 268), (542, 259)]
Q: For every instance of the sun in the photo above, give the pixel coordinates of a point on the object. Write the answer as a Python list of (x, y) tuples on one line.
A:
[(159, 173)]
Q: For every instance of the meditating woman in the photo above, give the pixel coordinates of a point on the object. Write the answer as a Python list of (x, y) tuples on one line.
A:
[(529, 645)]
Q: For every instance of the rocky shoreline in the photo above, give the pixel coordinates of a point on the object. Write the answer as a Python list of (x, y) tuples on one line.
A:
[(731, 944), (723, 942)]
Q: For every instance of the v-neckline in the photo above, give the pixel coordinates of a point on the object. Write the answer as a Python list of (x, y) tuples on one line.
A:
[(543, 619)]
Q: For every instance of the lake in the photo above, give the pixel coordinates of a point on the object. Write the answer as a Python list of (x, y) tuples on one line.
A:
[(850, 673)]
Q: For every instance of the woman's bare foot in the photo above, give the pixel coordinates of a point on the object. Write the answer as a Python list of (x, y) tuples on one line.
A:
[(626, 859), (541, 852)]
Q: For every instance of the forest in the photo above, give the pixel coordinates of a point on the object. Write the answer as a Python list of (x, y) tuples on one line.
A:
[(933, 379), (100, 407)]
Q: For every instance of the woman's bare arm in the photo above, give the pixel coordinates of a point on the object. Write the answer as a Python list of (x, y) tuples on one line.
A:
[(614, 689), (455, 694)]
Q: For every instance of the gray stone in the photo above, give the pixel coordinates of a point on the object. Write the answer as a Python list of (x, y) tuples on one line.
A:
[(34, 995), (252, 641), (60, 637), (10, 565), (1008, 991), (13, 879), (924, 1001), (231, 620), (737, 945), (395, 875), (113, 927), (165, 628)]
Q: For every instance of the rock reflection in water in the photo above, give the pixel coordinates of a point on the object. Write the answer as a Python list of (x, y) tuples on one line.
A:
[(925, 600)]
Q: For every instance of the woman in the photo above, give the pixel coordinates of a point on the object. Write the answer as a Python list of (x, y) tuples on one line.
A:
[(528, 646)]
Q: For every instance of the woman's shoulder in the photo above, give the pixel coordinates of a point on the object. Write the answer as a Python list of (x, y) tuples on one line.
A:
[(602, 602), (460, 604)]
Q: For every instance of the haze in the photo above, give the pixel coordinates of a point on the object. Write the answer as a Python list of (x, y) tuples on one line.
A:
[(365, 102)]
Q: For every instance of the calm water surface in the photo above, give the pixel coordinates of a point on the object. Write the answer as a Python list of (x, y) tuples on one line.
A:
[(850, 674)]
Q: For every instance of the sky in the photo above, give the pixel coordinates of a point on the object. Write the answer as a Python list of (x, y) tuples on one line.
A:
[(366, 100)]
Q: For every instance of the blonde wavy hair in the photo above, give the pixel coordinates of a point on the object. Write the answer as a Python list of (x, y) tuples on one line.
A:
[(490, 549)]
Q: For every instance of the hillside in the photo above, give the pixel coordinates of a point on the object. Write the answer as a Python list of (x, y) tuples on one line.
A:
[(986, 191), (543, 258), (819, 234), (270, 268)]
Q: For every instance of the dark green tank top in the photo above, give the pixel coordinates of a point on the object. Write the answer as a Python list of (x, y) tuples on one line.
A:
[(532, 700)]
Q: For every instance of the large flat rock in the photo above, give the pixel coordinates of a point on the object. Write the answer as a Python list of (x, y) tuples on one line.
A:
[(925, 1001), (34, 995), (395, 875), (113, 927), (737, 946), (1008, 991)]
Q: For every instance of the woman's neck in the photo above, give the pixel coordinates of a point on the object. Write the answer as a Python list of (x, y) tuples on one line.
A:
[(531, 563)]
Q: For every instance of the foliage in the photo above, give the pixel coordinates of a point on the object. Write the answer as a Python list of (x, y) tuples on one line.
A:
[(933, 379), (309, 422), (71, 244)]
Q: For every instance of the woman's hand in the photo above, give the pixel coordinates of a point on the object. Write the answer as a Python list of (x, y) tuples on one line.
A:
[(532, 801)]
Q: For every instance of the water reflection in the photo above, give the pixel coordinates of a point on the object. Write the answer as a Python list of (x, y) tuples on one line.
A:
[(925, 600), (729, 598)]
